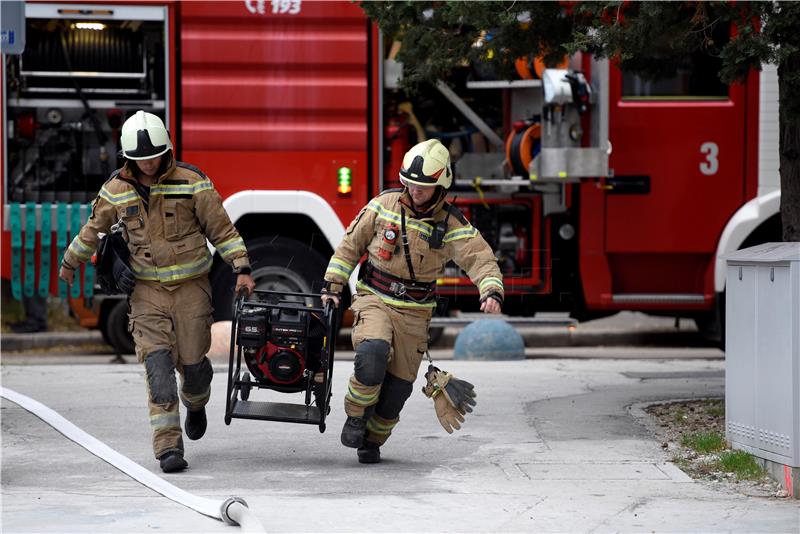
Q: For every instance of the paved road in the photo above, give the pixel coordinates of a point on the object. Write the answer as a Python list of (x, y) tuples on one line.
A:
[(622, 329), (551, 447)]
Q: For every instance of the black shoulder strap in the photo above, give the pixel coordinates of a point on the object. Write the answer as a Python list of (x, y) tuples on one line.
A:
[(405, 245), (455, 212), (191, 168)]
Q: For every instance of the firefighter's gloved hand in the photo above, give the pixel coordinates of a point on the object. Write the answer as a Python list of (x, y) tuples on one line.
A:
[(330, 297), (332, 293), (450, 415), (123, 276), (460, 393)]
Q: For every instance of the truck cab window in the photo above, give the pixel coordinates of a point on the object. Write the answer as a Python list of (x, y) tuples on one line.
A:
[(694, 78)]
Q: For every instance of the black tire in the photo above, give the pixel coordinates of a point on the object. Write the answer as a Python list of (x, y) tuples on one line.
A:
[(279, 264), (244, 390), (106, 307), (117, 329), (104, 331), (322, 400), (712, 324)]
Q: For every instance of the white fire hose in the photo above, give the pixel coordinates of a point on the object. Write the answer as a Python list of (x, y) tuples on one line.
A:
[(233, 510)]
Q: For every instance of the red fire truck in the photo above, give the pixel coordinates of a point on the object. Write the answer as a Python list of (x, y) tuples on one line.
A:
[(599, 194)]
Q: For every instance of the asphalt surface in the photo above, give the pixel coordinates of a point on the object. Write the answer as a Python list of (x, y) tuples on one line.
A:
[(636, 334), (553, 446)]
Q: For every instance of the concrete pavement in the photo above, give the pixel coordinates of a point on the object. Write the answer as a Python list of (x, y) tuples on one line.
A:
[(622, 329), (551, 447), (44, 340)]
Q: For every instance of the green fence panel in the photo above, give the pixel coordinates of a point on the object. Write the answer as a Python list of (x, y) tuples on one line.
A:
[(61, 243), (15, 219), (30, 249), (46, 241), (88, 275), (74, 228)]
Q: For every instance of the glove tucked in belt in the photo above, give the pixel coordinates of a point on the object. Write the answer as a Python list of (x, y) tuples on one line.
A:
[(123, 276), (113, 272)]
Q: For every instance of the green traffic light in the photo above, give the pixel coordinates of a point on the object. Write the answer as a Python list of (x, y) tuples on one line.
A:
[(345, 175)]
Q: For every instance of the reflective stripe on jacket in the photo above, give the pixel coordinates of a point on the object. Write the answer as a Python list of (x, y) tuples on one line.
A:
[(168, 241), (463, 244)]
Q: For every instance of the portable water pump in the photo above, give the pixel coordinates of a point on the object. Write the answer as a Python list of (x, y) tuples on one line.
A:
[(287, 346)]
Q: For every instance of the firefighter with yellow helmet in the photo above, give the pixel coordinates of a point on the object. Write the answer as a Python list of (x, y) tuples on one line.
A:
[(166, 210), (409, 235)]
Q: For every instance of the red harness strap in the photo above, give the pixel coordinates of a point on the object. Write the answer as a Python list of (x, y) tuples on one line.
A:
[(388, 284)]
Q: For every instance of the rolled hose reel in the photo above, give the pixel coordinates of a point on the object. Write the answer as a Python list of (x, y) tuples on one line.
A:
[(522, 145)]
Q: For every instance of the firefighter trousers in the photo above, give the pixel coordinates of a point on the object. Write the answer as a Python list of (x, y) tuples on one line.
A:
[(171, 327), (390, 343)]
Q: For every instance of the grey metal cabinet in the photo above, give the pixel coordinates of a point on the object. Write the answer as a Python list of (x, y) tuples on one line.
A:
[(762, 351)]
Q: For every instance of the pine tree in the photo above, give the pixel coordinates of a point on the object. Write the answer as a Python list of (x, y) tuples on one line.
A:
[(647, 38)]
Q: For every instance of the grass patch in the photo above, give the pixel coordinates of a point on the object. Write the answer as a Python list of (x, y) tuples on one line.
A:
[(741, 464), (704, 442), (59, 318), (680, 416), (12, 311), (681, 462), (694, 433), (715, 408)]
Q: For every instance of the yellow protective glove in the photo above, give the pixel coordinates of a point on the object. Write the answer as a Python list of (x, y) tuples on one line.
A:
[(449, 415), (459, 393)]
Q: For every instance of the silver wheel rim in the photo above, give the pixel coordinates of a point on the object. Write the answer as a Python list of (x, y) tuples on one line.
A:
[(281, 280)]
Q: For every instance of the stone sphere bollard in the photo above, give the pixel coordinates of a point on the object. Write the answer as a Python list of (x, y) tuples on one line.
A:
[(489, 339)]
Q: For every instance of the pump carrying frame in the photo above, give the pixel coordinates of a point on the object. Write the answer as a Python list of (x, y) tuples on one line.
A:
[(240, 384)]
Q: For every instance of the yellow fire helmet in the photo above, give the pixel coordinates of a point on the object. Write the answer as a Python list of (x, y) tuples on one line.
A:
[(427, 164), (144, 137)]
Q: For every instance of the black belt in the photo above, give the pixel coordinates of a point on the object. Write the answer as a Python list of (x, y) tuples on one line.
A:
[(389, 284)]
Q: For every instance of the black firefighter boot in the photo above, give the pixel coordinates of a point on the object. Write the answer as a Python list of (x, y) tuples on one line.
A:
[(353, 432), (196, 423), (173, 462), (369, 453)]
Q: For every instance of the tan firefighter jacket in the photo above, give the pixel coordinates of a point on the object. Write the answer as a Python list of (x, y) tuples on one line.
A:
[(167, 241), (367, 233)]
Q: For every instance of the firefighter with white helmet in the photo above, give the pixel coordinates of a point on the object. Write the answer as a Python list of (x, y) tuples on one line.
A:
[(409, 235), (167, 209)]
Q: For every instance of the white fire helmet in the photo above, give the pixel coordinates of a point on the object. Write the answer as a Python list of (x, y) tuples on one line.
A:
[(144, 137), (427, 164)]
